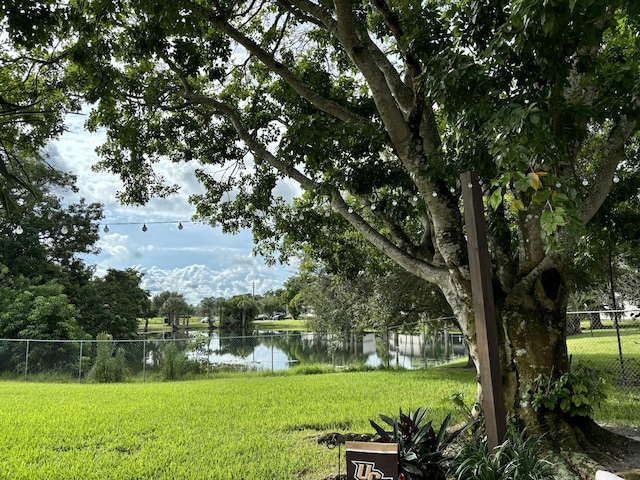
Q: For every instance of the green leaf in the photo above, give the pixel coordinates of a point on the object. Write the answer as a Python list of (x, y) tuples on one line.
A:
[(381, 431), (496, 198), (541, 196), (516, 206)]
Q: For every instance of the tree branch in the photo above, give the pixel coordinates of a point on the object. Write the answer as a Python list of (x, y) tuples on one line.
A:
[(612, 154), (278, 68)]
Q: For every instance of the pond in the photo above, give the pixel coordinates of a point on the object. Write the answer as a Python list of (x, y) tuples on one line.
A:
[(281, 350)]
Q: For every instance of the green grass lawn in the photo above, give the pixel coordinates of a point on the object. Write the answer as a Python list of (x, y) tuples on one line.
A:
[(600, 349), (237, 426), (230, 427), (156, 325)]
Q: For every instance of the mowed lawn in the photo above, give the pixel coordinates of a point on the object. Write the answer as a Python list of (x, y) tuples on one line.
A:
[(240, 426)]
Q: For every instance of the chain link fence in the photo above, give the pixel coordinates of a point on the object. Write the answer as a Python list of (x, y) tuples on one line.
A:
[(165, 357), (607, 341)]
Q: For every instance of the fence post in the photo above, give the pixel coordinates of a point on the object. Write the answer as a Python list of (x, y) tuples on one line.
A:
[(26, 361), (424, 345), (144, 360), (80, 367)]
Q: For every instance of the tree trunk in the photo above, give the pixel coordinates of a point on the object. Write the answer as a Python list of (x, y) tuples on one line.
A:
[(532, 332), (595, 322), (573, 325)]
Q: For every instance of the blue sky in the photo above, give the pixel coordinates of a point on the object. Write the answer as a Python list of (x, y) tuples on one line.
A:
[(198, 261)]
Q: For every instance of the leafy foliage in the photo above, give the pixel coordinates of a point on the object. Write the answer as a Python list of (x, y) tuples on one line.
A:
[(578, 392), (520, 457), (110, 365), (371, 301), (33, 103), (113, 303), (174, 364), (421, 448)]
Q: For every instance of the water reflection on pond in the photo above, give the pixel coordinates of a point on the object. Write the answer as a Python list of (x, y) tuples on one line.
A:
[(280, 350)]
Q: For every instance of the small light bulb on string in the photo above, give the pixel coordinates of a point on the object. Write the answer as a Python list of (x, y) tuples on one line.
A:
[(394, 203), (470, 185), (180, 226), (616, 179), (144, 227), (373, 206), (64, 230), (435, 194), (452, 189), (106, 229), (18, 230), (585, 182)]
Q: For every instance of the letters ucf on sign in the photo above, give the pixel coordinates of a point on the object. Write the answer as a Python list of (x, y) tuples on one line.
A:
[(372, 461)]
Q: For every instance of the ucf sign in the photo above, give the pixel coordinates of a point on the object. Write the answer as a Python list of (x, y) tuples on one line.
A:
[(372, 461)]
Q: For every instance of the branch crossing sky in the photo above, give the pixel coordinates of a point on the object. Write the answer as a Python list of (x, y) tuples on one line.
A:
[(198, 260)]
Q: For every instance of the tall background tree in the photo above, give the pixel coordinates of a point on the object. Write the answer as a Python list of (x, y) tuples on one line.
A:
[(209, 308), (375, 109), (172, 306)]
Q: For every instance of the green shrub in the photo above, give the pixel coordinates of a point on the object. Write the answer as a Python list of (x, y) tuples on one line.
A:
[(175, 365), (110, 365), (518, 458), (577, 392)]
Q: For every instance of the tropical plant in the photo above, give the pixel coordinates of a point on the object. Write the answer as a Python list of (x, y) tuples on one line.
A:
[(421, 448), (172, 363), (578, 392)]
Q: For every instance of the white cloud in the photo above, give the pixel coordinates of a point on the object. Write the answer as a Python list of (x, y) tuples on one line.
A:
[(200, 281), (198, 261), (114, 246)]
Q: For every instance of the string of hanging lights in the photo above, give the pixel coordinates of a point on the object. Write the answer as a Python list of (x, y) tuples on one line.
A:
[(64, 230), (144, 225)]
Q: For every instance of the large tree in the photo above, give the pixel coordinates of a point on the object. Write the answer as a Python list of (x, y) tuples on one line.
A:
[(375, 108)]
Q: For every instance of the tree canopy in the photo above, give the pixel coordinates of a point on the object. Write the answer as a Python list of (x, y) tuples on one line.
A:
[(33, 97), (375, 109), (44, 244)]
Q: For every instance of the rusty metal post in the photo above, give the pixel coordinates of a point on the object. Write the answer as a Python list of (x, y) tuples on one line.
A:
[(484, 311)]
